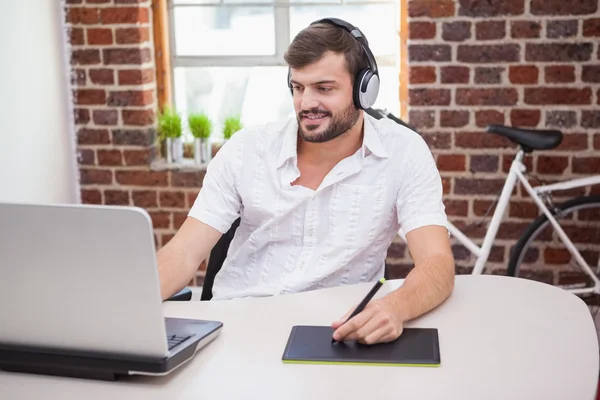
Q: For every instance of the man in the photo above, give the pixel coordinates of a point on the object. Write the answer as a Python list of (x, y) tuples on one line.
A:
[(321, 196)]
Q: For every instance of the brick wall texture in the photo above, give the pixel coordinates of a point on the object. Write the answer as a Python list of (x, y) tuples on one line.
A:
[(115, 103), (528, 63)]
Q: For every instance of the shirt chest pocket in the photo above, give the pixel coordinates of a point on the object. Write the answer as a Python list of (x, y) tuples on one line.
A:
[(357, 215)]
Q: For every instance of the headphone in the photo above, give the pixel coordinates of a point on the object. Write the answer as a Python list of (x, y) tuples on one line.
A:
[(366, 83)]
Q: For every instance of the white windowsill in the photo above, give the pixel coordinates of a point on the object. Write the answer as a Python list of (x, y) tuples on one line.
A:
[(187, 164)]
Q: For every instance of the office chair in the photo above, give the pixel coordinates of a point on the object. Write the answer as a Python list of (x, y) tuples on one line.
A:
[(379, 114), (216, 259)]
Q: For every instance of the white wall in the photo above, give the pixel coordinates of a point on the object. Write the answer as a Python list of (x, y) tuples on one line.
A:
[(37, 159)]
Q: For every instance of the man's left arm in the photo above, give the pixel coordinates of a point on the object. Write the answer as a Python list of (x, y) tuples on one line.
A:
[(421, 215), (427, 285), (431, 281)]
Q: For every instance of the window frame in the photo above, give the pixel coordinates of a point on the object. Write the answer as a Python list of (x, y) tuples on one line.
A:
[(167, 59)]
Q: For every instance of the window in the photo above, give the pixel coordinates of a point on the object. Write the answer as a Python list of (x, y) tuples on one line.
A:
[(227, 55)]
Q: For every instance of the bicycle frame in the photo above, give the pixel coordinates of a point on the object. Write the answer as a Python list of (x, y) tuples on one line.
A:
[(515, 174)]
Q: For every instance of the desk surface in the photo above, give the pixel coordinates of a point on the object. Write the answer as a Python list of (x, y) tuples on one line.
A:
[(500, 338)]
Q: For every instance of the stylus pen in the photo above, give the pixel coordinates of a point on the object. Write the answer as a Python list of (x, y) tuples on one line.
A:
[(364, 302)]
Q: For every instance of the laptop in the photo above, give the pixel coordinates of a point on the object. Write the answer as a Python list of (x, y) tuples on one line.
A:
[(80, 295)]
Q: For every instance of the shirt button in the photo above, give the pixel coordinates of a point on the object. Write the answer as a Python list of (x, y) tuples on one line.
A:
[(310, 232)]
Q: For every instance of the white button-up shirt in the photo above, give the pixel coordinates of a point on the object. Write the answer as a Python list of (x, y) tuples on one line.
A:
[(292, 238)]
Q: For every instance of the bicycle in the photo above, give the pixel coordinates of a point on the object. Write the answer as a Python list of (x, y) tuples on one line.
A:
[(530, 140), (575, 222)]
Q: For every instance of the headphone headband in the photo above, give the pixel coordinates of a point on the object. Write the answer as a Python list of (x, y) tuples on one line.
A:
[(357, 34)]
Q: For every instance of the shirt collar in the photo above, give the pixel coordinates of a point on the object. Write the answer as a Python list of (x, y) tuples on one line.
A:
[(290, 142), (371, 141)]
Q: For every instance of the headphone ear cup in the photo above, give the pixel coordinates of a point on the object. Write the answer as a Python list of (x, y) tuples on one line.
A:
[(368, 89), (358, 84)]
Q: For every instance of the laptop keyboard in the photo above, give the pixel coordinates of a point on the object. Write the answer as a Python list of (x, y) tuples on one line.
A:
[(174, 340)]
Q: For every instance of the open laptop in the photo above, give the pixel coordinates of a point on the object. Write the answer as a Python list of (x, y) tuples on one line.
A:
[(80, 295)]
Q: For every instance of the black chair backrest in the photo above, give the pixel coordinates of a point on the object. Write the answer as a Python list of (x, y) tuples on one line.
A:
[(216, 259), (378, 114)]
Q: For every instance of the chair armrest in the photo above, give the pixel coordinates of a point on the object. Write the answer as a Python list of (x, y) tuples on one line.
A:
[(184, 295)]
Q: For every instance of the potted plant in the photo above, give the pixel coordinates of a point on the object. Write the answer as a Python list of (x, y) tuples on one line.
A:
[(201, 127), (169, 130), (230, 126)]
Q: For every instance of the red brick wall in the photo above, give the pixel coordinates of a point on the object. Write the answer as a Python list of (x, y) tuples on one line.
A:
[(114, 94), (527, 63)]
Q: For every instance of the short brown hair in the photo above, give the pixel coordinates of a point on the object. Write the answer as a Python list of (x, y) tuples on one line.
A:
[(311, 44)]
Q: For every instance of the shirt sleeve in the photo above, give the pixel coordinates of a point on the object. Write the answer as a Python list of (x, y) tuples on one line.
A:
[(419, 201), (218, 204)]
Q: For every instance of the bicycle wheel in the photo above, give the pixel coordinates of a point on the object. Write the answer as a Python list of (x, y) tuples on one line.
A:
[(580, 218), (540, 254)]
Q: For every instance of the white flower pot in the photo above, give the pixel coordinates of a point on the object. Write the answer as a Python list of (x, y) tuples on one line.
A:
[(169, 152), (202, 150), (176, 149)]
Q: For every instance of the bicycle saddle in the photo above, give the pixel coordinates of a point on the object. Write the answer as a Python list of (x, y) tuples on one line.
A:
[(529, 139)]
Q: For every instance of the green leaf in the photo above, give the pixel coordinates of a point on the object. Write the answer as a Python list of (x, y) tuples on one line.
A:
[(169, 124), (231, 125), (200, 125)]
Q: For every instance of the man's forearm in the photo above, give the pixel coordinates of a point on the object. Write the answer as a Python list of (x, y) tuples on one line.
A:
[(425, 287), (172, 270), (180, 258)]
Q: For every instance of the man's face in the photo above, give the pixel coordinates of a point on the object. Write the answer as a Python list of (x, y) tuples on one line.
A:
[(323, 99)]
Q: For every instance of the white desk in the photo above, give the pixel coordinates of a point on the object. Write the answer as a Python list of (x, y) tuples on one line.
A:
[(500, 338)]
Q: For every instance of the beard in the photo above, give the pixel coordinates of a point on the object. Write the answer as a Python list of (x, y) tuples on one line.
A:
[(338, 123)]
